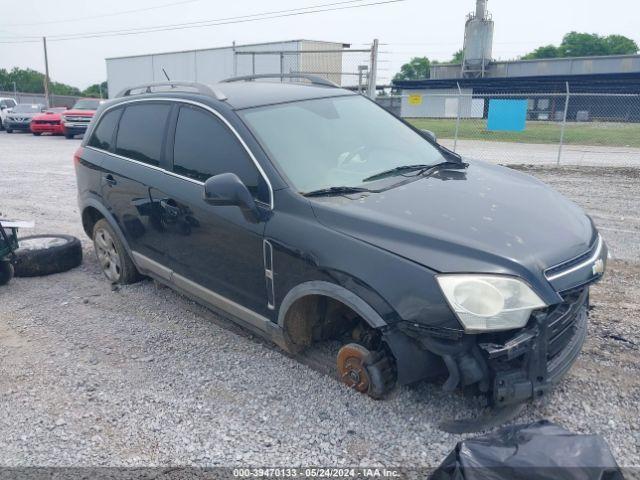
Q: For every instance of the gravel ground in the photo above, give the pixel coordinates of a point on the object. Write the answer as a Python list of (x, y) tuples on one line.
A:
[(142, 376)]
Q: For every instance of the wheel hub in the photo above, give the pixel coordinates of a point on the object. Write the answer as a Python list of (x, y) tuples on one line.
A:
[(352, 360)]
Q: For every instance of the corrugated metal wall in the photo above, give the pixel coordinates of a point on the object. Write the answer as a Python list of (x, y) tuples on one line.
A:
[(559, 66), (441, 103), (205, 66)]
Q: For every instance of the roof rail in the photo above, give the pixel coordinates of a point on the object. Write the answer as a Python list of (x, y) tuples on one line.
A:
[(314, 79), (178, 86)]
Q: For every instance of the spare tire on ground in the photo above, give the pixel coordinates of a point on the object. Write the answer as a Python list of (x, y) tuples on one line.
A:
[(39, 255)]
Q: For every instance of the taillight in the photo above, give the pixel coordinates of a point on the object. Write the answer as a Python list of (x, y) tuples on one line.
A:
[(77, 156)]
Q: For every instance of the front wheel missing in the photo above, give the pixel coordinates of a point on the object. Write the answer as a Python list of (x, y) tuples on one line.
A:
[(366, 371)]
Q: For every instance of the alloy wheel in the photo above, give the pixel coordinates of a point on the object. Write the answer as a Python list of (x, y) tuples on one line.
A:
[(108, 255)]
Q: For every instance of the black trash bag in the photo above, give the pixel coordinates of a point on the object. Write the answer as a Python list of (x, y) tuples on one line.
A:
[(540, 450)]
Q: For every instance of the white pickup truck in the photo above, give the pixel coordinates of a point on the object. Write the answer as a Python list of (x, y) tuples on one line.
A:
[(6, 104)]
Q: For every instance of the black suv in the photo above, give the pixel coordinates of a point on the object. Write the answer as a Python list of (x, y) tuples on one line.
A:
[(307, 213)]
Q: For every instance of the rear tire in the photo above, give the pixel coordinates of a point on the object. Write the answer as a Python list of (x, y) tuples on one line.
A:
[(9, 130), (68, 136), (112, 256), (6, 272), (37, 134)]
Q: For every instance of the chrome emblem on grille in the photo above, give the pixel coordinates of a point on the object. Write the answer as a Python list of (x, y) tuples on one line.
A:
[(598, 267)]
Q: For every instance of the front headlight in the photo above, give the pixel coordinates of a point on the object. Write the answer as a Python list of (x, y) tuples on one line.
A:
[(489, 302), (63, 118)]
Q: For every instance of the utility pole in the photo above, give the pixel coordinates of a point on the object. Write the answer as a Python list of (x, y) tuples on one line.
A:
[(46, 73), (373, 70)]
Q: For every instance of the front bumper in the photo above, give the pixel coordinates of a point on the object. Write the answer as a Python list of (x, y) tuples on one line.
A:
[(75, 128), (13, 125), (46, 128), (508, 367), (529, 363)]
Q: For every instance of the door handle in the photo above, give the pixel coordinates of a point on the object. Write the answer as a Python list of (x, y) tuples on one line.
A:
[(109, 180), (170, 209)]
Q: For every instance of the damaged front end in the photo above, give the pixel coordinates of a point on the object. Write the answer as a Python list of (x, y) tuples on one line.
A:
[(526, 364), (514, 366)]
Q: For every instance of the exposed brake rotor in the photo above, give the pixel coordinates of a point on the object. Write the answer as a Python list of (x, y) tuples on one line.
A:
[(352, 368), (366, 371)]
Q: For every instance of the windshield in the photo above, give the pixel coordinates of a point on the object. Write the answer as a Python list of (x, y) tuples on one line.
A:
[(87, 104), (336, 142), (27, 108)]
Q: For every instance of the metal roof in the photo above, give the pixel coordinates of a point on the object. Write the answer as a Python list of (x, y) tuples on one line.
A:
[(344, 45), (606, 83)]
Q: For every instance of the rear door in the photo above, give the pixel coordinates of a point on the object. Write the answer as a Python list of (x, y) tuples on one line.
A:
[(136, 163), (216, 248)]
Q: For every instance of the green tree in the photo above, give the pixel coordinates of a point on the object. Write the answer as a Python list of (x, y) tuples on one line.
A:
[(620, 45), (418, 68), (548, 51), (458, 56), (575, 44), (32, 81), (97, 90)]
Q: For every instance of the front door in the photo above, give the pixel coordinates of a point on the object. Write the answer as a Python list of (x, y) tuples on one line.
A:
[(216, 248)]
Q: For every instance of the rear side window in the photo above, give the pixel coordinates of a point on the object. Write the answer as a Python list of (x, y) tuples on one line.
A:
[(204, 147), (141, 132), (102, 136)]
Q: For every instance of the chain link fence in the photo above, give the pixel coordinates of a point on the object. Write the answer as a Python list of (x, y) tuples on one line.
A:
[(349, 68), (56, 100), (529, 128)]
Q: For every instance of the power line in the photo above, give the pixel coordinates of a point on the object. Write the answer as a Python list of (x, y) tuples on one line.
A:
[(114, 14), (228, 21), (318, 8)]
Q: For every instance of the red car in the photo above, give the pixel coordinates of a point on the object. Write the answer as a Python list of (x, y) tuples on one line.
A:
[(76, 120), (48, 122)]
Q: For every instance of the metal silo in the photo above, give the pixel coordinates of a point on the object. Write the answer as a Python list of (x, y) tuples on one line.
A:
[(478, 41)]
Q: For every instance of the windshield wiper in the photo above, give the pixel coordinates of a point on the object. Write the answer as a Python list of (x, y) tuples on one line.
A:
[(335, 191), (420, 169)]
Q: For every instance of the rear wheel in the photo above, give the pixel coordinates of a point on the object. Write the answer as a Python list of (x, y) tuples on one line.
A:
[(9, 130), (37, 134), (370, 372), (68, 136), (6, 272), (112, 256)]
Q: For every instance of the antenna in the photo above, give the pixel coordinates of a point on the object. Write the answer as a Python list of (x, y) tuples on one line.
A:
[(165, 74)]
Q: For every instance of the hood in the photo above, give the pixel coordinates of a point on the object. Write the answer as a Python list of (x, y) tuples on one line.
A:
[(51, 117), (80, 113), (485, 219), (23, 114)]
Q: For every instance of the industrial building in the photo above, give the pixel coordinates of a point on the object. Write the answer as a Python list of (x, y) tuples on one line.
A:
[(451, 88), (214, 64)]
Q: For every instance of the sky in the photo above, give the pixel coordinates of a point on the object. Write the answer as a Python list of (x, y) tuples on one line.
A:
[(405, 28)]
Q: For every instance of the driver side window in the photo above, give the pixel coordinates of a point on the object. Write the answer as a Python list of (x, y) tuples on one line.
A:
[(204, 146)]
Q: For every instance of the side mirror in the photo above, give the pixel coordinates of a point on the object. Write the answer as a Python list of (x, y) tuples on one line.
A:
[(227, 189), (429, 135)]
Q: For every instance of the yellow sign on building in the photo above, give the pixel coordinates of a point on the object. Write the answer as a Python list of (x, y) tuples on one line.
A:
[(415, 99)]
